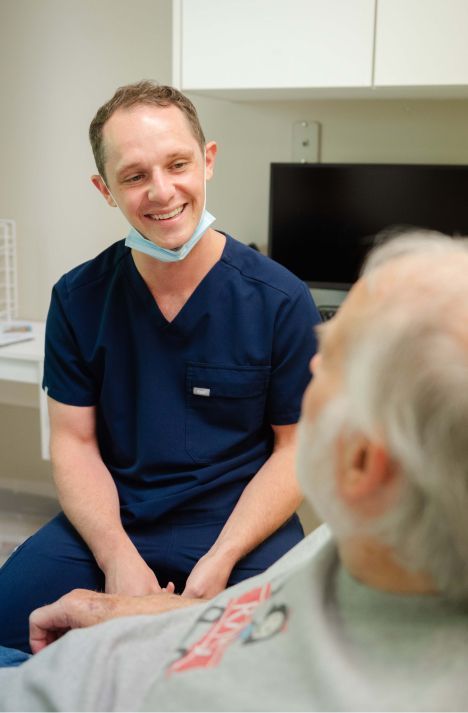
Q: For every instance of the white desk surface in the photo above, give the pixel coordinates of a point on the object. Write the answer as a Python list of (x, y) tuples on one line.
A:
[(24, 362), (30, 350)]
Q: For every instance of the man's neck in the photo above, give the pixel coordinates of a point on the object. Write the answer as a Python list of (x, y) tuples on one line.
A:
[(375, 565), (172, 283), (166, 277)]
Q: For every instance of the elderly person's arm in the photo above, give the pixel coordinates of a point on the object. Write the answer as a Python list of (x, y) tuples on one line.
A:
[(81, 608)]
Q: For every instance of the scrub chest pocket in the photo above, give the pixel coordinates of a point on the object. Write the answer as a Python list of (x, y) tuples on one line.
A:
[(225, 409)]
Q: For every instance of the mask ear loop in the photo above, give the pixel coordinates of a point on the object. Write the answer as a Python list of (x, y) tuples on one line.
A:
[(116, 205), (204, 179), (109, 192)]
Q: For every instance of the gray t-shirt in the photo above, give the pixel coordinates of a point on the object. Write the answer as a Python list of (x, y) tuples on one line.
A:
[(302, 636)]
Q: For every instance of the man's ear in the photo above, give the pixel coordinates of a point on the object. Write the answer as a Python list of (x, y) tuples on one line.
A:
[(211, 149), (365, 469), (102, 188)]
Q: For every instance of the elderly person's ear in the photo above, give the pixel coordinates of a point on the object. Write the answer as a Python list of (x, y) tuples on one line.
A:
[(365, 470)]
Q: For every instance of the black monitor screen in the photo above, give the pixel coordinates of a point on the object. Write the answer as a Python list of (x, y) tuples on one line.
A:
[(324, 217)]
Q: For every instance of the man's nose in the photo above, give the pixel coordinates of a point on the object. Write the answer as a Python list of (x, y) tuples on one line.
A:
[(160, 189)]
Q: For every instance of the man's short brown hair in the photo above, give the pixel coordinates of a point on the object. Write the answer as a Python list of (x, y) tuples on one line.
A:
[(144, 92)]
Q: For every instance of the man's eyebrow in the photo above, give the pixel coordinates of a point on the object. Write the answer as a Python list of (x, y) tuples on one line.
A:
[(137, 165), (129, 167), (182, 152)]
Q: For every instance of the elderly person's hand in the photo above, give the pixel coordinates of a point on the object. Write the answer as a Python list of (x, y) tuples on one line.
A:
[(81, 608)]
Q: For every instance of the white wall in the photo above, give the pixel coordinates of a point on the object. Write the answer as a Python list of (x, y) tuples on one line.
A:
[(252, 135), (59, 61)]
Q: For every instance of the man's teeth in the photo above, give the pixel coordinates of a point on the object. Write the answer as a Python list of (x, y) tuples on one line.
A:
[(165, 216)]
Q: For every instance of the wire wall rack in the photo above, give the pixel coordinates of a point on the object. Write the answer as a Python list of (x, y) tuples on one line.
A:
[(8, 271)]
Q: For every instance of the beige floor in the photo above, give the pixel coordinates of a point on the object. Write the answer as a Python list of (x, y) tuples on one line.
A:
[(20, 516)]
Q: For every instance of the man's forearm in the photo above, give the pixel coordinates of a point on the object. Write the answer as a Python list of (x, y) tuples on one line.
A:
[(85, 487), (267, 502), (88, 496), (90, 500), (86, 493), (270, 498)]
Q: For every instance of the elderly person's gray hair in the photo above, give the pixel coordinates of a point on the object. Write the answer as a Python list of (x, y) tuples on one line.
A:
[(406, 385), (395, 243)]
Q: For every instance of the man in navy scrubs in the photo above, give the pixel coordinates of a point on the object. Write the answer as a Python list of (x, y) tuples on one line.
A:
[(175, 365)]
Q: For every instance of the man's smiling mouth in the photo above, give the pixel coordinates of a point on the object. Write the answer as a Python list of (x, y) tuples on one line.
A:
[(166, 216)]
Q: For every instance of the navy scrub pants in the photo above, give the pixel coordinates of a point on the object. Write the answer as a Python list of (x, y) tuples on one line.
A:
[(56, 560)]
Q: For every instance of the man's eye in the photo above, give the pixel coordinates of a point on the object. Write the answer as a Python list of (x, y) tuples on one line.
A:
[(179, 165), (134, 179)]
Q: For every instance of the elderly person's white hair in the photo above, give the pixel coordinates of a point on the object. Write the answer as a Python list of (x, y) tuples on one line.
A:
[(393, 244), (406, 385)]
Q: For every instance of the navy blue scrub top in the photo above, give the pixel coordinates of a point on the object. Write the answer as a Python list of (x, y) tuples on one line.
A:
[(184, 408)]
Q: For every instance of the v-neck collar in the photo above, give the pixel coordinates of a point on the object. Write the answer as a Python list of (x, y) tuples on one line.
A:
[(196, 304)]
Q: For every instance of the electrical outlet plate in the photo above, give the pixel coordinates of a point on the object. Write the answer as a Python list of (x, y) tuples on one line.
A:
[(306, 141)]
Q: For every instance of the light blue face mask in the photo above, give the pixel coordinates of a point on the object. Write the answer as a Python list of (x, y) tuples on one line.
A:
[(136, 241)]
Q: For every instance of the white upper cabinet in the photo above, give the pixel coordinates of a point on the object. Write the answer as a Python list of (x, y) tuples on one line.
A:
[(293, 49), (421, 43), (276, 45)]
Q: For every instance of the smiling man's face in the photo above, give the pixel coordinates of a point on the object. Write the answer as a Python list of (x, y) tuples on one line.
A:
[(155, 172)]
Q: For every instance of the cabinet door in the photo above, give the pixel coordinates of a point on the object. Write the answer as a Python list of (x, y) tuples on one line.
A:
[(421, 43), (250, 44)]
